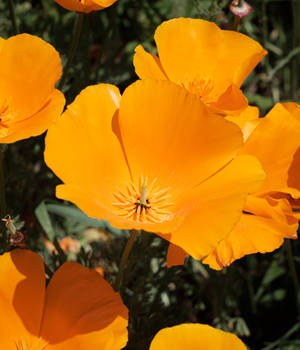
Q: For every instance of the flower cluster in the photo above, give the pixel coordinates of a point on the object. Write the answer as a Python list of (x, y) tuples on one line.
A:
[(180, 154)]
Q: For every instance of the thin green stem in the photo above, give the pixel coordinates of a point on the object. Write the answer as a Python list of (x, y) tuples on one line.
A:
[(73, 48), (236, 23), (13, 16), (293, 271), (124, 259), (2, 201)]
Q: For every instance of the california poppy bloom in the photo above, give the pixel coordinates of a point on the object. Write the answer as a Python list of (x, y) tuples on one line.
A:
[(209, 62), (195, 336), (154, 159), (77, 310), (29, 103), (268, 215), (85, 6)]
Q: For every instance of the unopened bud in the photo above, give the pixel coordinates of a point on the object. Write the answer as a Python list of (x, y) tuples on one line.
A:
[(240, 8)]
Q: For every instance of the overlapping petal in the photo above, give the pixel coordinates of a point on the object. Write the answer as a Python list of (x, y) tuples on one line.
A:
[(79, 309), (195, 336)]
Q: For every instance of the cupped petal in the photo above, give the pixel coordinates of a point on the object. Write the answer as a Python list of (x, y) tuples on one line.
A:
[(147, 66), (37, 123), (22, 292), (194, 47), (82, 148), (169, 135), (104, 3), (29, 69), (266, 143), (262, 229), (247, 120), (85, 6), (212, 209), (82, 311), (195, 336)]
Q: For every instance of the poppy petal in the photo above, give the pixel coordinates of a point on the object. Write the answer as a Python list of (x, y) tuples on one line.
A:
[(29, 69), (73, 150), (79, 6), (147, 65), (22, 293), (213, 208), (175, 256), (39, 122), (260, 232), (81, 304), (276, 156), (176, 140), (195, 336)]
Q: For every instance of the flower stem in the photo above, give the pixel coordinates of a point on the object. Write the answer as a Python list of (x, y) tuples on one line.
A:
[(124, 259), (73, 48), (236, 23), (293, 271), (13, 16), (2, 201)]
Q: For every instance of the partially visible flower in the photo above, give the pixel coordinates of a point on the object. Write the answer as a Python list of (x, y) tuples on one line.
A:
[(29, 102), (240, 8), (268, 216), (154, 159), (69, 244), (195, 336), (85, 6), (209, 62), (78, 309)]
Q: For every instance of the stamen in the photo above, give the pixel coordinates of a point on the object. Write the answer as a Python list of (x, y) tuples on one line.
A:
[(148, 204), (202, 87)]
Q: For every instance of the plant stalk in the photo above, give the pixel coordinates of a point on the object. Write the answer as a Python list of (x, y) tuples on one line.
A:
[(73, 48), (13, 16), (124, 259), (293, 271)]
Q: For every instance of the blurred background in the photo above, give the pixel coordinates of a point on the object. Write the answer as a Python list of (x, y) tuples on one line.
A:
[(255, 297)]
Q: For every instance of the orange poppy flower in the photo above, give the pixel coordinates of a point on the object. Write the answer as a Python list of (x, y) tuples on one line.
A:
[(29, 103), (195, 336), (85, 6), (77, 310), (209, 62), (156, 160), (268, 215)]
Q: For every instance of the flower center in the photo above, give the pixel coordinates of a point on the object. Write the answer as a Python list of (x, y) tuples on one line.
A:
[(144, 204), (202, 87), (38, 344)]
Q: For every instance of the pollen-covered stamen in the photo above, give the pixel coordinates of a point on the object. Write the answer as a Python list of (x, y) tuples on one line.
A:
[(38, 344), (146, 204), (202, 87)]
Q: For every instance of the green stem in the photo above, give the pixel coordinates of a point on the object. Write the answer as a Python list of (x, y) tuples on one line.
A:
[(236, 23), (2, 201), (13, 16), (74, 44), (124, 259), (293, 271)]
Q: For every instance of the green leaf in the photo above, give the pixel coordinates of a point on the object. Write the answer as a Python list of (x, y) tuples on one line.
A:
[(43, 217)]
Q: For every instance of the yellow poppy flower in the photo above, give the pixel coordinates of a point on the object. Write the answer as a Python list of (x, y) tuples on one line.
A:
[(209, 62), (78, 309), (85, 6), (154, 159), (29, 103), (268, 215), (195, 336)]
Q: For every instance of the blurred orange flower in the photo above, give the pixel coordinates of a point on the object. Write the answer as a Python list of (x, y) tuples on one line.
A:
[(85, 6), (155, 159), (209, 62), (78, 310), (268, 215), (195, 336), (29, 103)]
